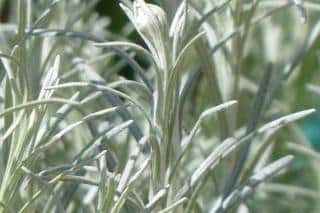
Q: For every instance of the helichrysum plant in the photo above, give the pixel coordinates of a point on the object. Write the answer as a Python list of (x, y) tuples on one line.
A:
[(206, 122)]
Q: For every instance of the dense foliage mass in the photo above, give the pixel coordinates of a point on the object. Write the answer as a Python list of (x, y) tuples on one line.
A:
[(188, 106)]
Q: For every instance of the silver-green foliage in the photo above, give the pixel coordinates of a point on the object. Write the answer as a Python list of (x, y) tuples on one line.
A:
[(191, 132)]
